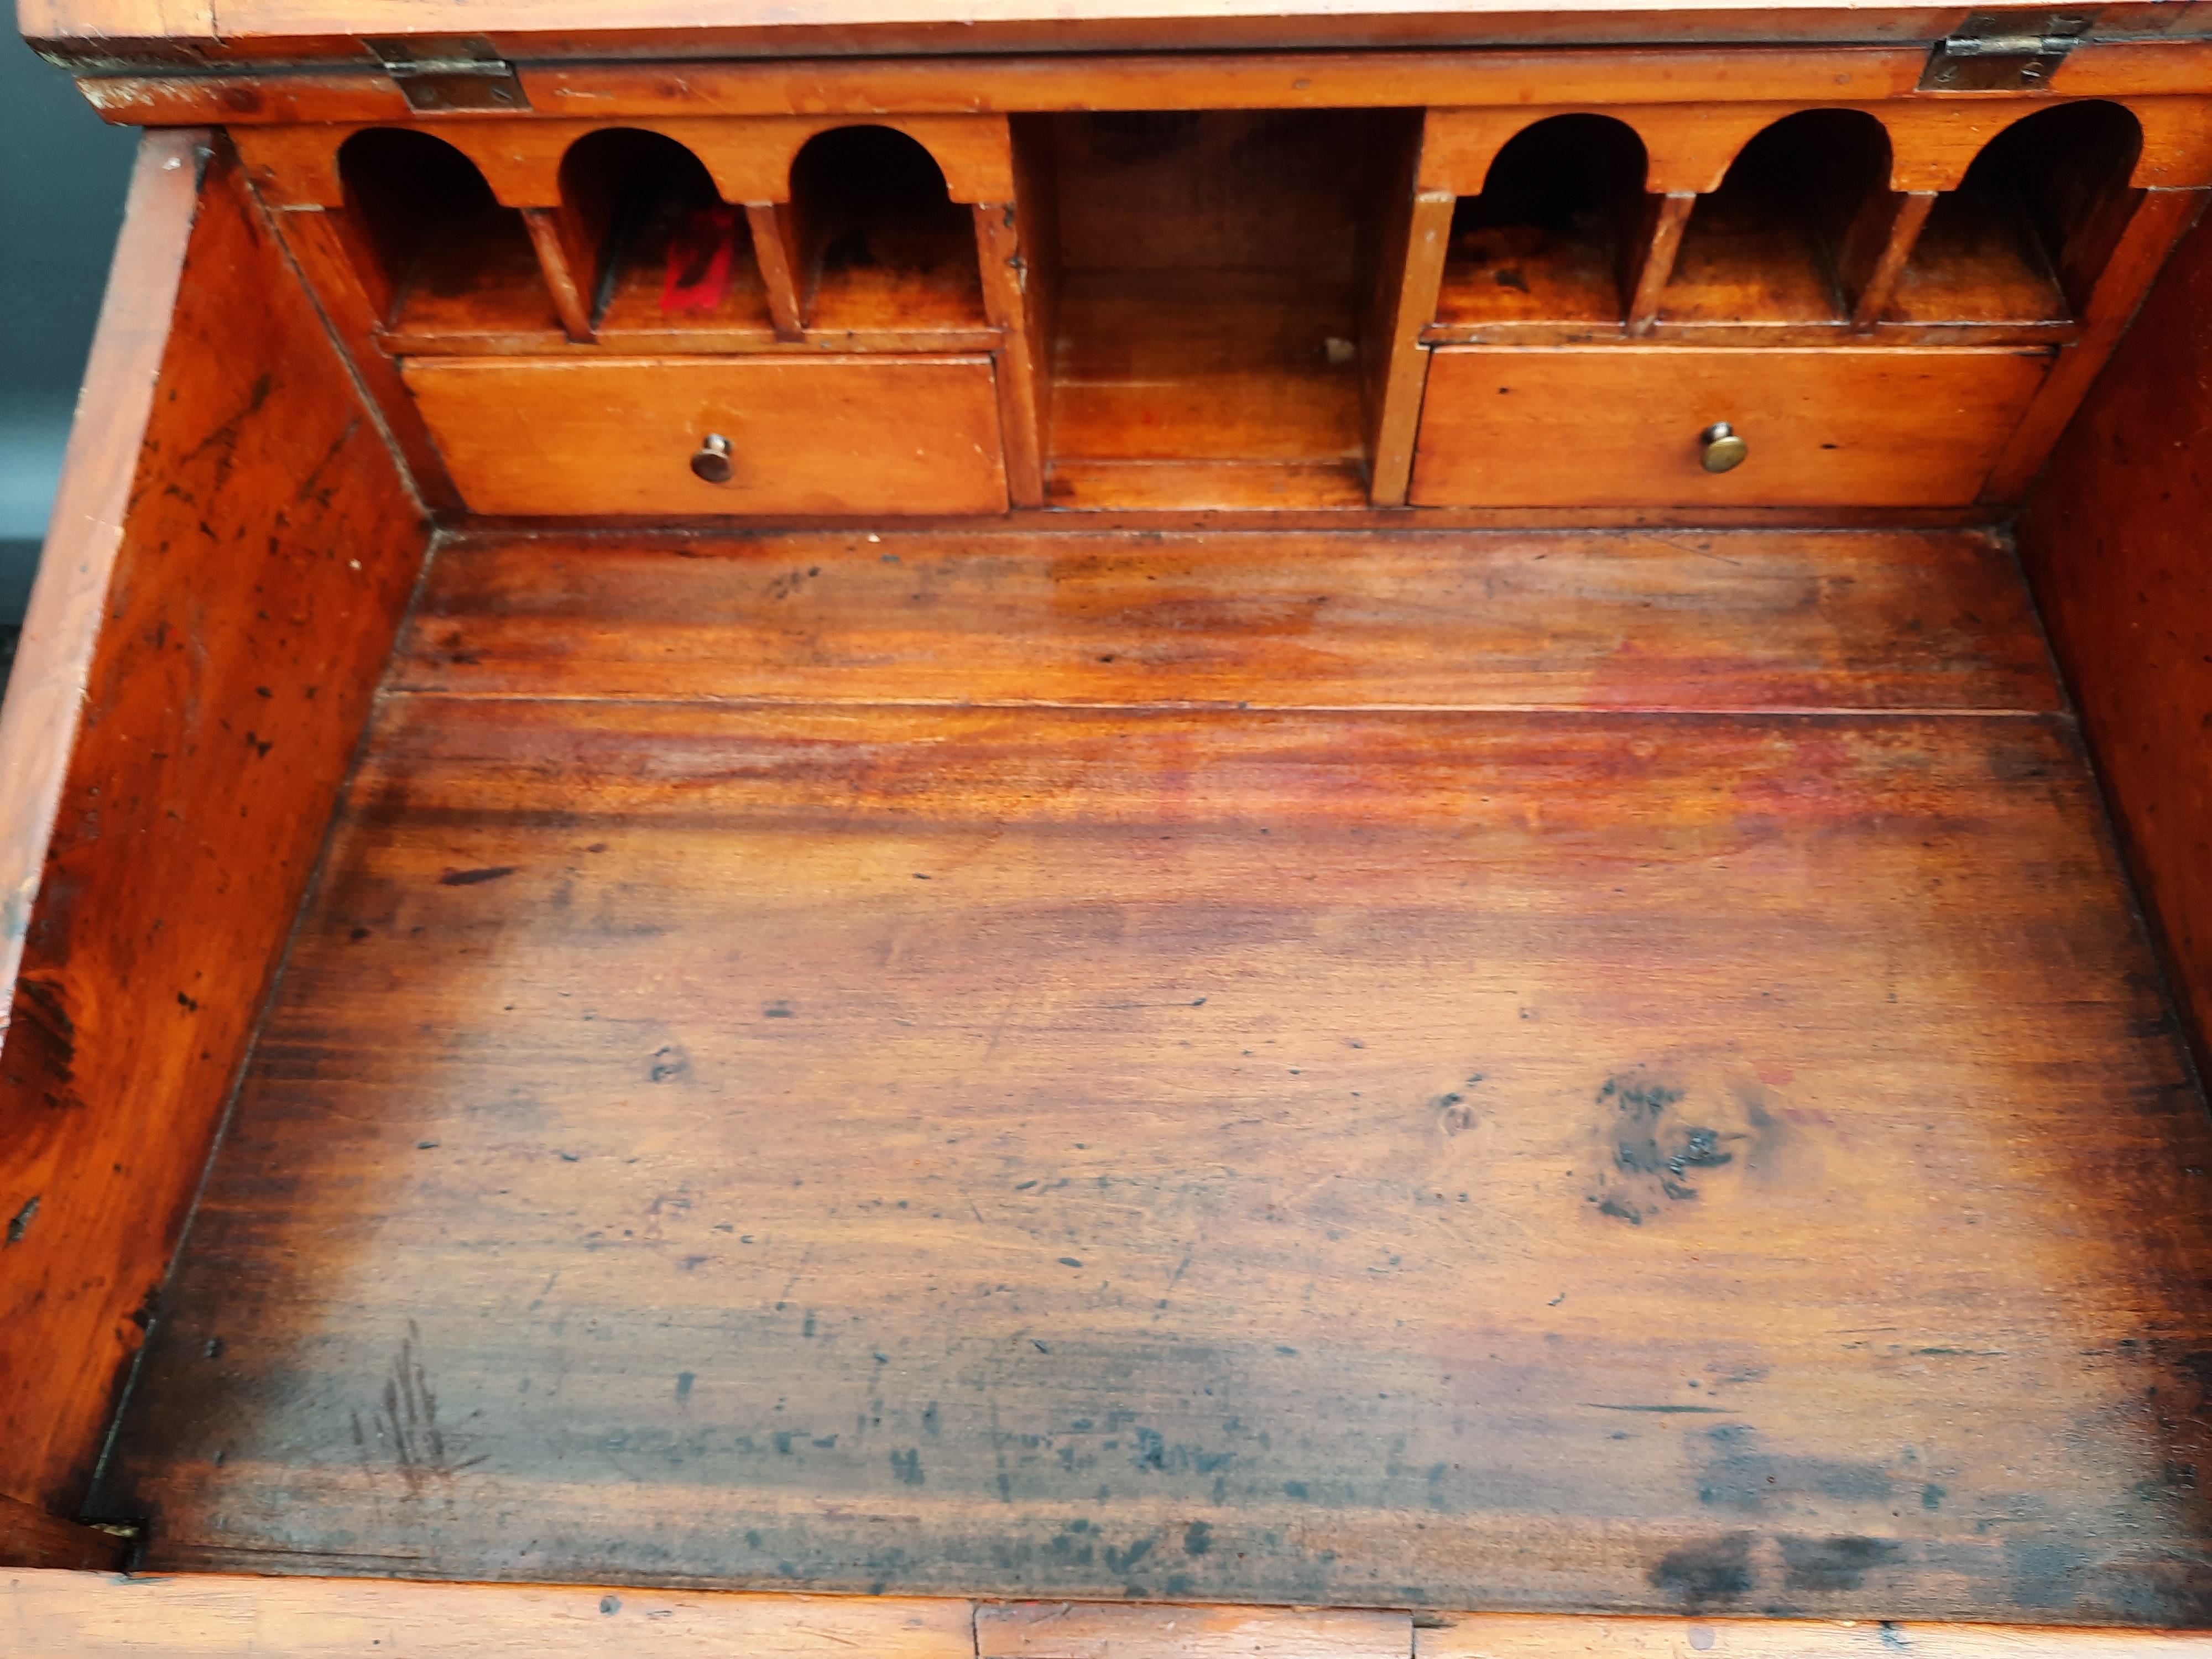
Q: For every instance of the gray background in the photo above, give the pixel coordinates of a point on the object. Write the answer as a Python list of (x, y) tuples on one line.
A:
[(63, 172)]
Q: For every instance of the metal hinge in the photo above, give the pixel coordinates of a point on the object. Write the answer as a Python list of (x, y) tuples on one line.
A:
[(2004, 51), (449, 72)]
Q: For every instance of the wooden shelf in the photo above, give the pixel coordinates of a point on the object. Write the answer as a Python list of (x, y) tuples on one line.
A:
[(443, 263), (1528, 283), (662, 255), (1181, 366), (1765, 250), (1209, 279), (472, 282), (877, 245), (1978, 270), (2017, 248), (1549, 250)]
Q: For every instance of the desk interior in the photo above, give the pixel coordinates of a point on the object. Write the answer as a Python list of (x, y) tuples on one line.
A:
[(1610, 1070)]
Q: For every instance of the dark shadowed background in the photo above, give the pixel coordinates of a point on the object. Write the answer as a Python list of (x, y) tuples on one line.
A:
[(62, 177)]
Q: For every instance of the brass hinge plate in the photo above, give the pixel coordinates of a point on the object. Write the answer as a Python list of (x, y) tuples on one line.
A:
[(2004, 51), (437, 73)]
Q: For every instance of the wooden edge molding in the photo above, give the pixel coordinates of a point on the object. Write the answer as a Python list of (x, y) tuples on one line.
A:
[(1100, 1630), (976, 85), (68, 599), (29, 1537), (1556, 1636), (158, 30), (983, 85), (48, 1615)]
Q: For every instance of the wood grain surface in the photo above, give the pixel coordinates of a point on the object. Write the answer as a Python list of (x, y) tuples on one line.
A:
[(61, 1616), (232, 557), (1620, 619), (1544, 1159), (105, 31), (2114, 541), (1620, 425), (1077, 1629), (615, 435), (30, 1537), (73, 1615), (1522, 1636)]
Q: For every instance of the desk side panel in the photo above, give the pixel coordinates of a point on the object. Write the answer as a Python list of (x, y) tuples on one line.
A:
[(2117, 544), (229, 557)]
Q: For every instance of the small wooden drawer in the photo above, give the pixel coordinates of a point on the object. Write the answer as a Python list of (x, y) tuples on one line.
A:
[(1620, 426), (618, 437)]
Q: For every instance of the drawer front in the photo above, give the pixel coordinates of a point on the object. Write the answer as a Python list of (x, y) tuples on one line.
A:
[(1620, 426), (805, 434)]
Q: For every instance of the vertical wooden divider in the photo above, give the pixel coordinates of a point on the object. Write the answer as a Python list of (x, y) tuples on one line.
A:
[(772, 253), (1662, 240), (999, 247), (1413, 276), (1876, 248), (2160, 219), (571, 288)]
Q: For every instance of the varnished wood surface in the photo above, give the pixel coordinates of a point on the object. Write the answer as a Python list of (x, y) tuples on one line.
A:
[(1767, 65), (2160, 218), (615, 435), (1543, 1159), (46, 678), (235, 545), (1621, 425), (2114, 539), (1179, 365), (1216, 270), (61, 1615), (1620, 619), (1076, 1630), (1512, 1636), (104, 32), (71, 1615), (30, 1537)]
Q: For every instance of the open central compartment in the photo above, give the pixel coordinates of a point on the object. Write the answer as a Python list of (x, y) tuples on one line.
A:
[(1212, 270)]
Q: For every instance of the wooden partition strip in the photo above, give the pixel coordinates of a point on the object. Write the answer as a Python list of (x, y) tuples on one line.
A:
[(770, 223), (29, 1537), (226, 568), (1880, 242), (1658, 266), (998, 250), (571, 289), (2159, 220), (1395, 415), (2114, 543)]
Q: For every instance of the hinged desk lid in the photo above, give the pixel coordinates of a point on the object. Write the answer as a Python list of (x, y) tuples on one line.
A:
[(119, 33)]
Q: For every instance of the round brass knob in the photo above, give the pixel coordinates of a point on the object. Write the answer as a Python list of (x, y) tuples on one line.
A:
[(711, 461), (1720, 449)]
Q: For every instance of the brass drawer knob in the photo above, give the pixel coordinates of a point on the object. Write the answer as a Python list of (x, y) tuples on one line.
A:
[(1720, 449), (711, 461)]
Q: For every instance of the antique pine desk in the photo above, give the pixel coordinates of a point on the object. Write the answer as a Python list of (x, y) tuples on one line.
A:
[(1121, 830)]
